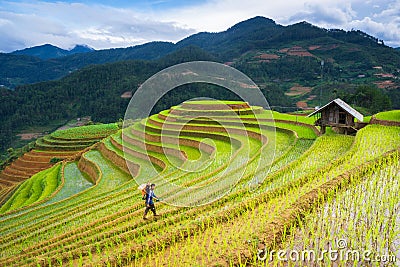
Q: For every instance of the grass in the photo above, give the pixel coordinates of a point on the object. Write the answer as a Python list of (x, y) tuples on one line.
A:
[(41, 145), (282, 116), (223, 241), (290, 117), (87, 132), (213, 102), (222, 159), (74, 182), (102, 224), (168, 160), (324, 150), (214, 112), (367, 119), (191, 152), (37, 188), (147, 169), (112, 176), (282, 144), (302, 132), (48, 139), (393, 115), (363, 216)]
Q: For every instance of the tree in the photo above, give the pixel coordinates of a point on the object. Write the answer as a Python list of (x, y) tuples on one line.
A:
[(372, 98)]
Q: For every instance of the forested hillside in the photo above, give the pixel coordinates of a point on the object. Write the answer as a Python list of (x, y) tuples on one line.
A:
[(18, 70), (48, 51), (251, 35)]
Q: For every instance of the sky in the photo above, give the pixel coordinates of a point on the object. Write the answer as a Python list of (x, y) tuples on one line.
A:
[(122, 23)]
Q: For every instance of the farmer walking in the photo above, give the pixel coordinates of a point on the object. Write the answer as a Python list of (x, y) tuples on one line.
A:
[(149, 201)]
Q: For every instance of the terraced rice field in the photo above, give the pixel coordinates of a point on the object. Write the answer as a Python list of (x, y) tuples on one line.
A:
[(49, 150), (232, 182)]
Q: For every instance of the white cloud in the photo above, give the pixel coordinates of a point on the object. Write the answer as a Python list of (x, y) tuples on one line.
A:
[(389, 30), (325, 15), (393, 10), (384, 24), (220, 15), (65, 25)]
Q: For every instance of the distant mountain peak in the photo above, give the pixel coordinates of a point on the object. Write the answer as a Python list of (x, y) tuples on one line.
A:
[(45, 45), (48, 51), (303, 23), (81, 48), (257, 21)]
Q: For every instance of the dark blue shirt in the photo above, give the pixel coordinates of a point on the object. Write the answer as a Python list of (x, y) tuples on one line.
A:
[(149, 197)]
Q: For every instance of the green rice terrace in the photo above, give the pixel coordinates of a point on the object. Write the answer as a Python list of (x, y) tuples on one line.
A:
[(237, 183)]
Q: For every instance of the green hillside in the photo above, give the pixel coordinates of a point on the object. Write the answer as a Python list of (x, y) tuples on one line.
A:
[(237, 182)]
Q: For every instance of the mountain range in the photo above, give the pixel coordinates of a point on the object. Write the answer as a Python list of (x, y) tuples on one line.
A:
[(48, 51), (284, 61), (34, 65)]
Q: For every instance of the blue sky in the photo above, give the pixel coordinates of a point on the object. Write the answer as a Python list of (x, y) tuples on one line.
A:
[(145, 4), (105, 24)]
